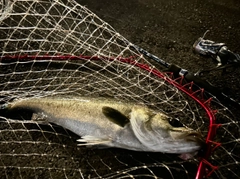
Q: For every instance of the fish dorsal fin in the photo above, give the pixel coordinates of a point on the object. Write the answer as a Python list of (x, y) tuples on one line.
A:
[(115, 116)]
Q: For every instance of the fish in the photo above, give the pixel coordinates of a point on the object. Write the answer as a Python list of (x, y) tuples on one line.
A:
[(113, 123)]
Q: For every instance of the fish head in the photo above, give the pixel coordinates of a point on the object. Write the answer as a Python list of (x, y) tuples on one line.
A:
[(155, 132)]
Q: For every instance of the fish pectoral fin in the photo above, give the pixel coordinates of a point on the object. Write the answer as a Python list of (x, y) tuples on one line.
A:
[(115, 116), (93, 140)]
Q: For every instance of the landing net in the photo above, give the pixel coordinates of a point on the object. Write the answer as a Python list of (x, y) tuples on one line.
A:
[(60, 48)]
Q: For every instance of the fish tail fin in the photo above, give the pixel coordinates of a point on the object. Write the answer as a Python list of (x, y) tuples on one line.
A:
[(93, 140)]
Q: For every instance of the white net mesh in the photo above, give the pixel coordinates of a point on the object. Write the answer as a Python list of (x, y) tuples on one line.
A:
[(57, 47)]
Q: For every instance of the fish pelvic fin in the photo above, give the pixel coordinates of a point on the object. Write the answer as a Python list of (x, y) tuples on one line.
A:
[(115, 116), (93, 140)]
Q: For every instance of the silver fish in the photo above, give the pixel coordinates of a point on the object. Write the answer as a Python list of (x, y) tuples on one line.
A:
[(113, 123)]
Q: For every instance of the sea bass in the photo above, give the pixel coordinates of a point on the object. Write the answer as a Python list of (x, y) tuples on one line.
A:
[(112, 123)]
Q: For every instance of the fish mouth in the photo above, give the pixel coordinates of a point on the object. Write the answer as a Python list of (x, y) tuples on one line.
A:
[(189, 136), (195, 137)]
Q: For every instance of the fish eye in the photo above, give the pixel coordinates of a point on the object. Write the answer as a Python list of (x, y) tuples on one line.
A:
[(175, 122)]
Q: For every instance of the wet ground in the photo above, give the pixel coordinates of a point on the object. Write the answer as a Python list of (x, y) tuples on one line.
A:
[(168, 29)]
